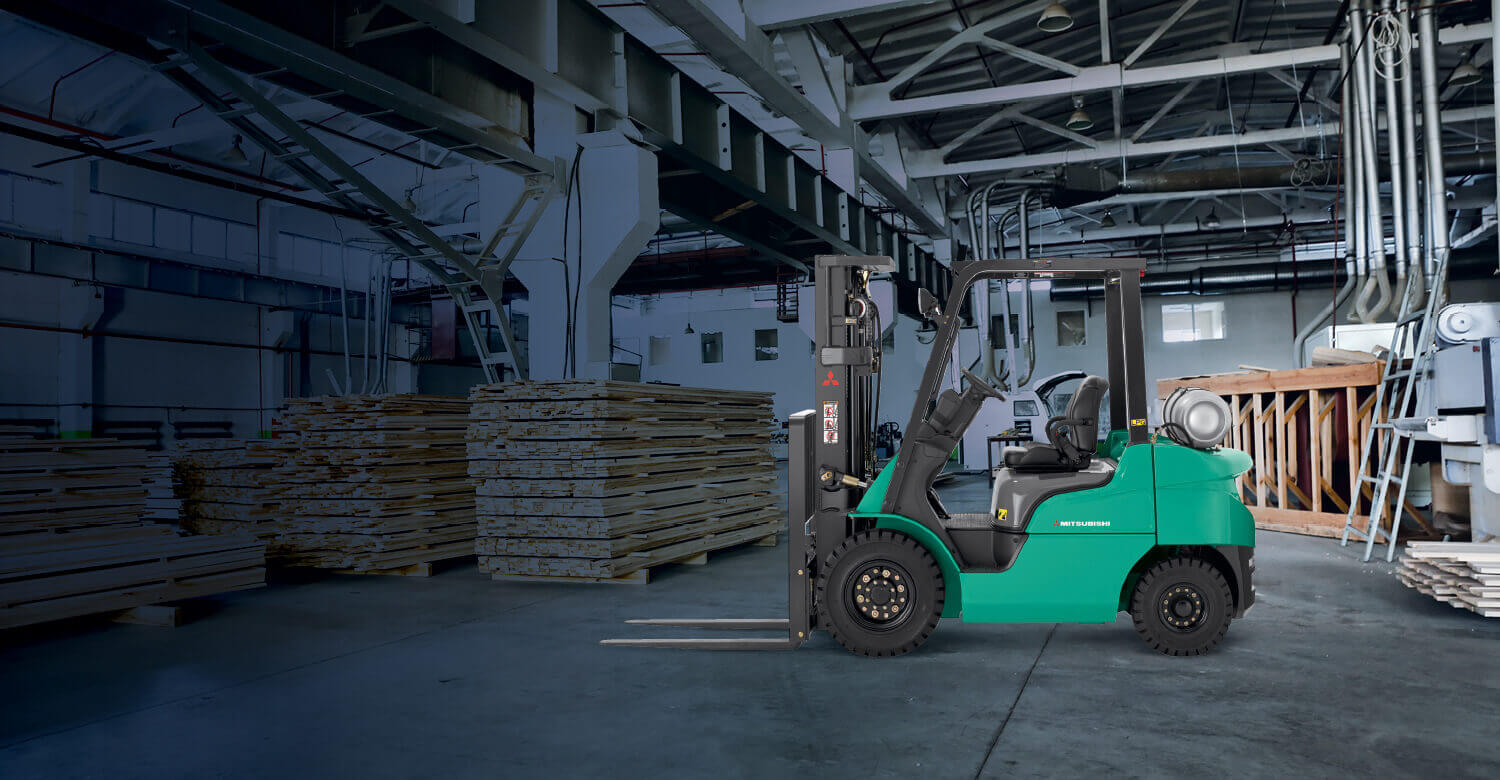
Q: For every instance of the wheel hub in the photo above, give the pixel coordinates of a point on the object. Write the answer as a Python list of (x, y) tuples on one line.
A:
[(1182, 607), (881, 592)]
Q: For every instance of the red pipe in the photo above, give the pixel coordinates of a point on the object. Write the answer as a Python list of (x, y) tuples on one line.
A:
[(52, 101), (30, 117)]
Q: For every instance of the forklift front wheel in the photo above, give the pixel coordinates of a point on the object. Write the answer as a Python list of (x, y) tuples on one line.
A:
[(1182, 606), (880, 593)]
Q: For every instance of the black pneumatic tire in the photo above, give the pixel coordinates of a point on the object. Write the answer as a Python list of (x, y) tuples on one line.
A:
[(886, 615), (1182, 606)]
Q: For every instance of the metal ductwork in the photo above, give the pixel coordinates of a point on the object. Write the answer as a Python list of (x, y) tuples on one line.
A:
[(1471, 263)]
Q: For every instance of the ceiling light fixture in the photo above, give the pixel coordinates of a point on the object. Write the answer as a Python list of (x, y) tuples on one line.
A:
[(1465, 75), (1054, 19), (1080, 119), (1212, 220), (689, 329), (1108, 221), (236, 153)]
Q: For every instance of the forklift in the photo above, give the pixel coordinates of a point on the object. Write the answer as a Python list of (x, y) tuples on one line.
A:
[(1078, 530)]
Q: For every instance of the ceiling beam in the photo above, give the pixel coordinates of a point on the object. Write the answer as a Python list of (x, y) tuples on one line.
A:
[(772, 14), (747, 56), (928, 163), (875, 101)]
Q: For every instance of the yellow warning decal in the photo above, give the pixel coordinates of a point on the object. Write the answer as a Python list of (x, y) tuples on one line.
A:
[(1139, 422), (1000, 514)]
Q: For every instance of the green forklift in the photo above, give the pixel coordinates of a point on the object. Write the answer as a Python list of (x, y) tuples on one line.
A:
[(1078, 529)]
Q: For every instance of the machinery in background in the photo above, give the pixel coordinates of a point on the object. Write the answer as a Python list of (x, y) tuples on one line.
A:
[(887, 440), (1075, 532), (1463, 412)]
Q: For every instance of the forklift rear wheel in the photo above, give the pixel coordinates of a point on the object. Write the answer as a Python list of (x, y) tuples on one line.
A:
[(880, 593), (1182, 606)]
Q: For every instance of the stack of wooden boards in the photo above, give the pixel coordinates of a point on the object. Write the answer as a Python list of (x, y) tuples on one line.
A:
[(599, 481), (374, 483), (1464, 574), (229, 486), (73, 540)]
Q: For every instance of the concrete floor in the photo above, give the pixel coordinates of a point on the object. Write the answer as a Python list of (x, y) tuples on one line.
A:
[(1338, 670)]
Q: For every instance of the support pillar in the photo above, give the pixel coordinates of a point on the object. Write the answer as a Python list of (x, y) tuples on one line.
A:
[(618, 189), (78, 308)]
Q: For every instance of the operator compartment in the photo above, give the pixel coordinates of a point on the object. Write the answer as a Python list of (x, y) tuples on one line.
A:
[(1031, 475)]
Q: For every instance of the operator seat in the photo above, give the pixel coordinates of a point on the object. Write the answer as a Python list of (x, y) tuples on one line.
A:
[(1073, 435)]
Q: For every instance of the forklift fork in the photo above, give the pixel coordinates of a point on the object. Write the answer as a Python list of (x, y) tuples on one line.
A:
[(801, 497)]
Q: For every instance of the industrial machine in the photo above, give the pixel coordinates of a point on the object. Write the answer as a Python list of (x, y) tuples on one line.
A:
[(1075, 532), (1463, 410)]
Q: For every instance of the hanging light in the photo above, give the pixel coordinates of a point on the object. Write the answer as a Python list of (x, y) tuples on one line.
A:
[(1080, 119), (1054, 19), (409, 204), (1108, 221), (1212, 220), (1465, 75), (689, 329), (236, 153)]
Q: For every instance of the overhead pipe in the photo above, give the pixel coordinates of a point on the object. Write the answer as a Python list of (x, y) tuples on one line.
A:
[(1346, 165), (1264, 276), (1354, 189), (1023, 210), (1417, 278), (1394, 145), (1432, 131), (1364, 120)]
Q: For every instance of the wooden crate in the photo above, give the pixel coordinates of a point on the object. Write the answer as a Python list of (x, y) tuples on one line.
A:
[(600, 481), (1303, 429), (74, 539)]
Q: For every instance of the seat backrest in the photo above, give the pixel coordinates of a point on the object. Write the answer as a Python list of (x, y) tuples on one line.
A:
[(1083, 408)]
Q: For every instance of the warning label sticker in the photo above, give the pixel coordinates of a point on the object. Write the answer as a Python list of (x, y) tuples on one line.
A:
[(830, 422)]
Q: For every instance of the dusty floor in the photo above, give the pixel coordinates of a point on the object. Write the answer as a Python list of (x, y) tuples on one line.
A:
[(1338, 670)]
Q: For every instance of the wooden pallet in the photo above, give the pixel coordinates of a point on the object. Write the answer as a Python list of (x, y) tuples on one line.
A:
[(1303, 430)]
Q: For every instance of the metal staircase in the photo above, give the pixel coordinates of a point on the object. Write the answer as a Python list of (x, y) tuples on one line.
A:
[(1401, 390), (476, 280)]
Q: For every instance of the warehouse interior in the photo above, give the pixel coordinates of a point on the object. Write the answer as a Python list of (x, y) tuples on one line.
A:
[(366, 364)]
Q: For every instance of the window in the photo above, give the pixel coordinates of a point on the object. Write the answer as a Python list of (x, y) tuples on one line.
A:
[(765, 344), (713, 347), (1071, 329), (1026, 409), (1192, 321), (661, 350)]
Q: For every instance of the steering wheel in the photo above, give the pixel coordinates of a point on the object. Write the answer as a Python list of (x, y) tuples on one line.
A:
[(985, 388)]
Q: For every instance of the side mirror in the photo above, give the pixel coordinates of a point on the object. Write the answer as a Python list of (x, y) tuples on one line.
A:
[(928, 305)]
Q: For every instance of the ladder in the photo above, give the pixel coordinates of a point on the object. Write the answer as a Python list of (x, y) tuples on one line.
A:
[(786, 296), (476, 280), (1401, 389)]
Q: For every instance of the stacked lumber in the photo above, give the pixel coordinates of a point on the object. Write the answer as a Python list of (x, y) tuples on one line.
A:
[(1303, 429), (1463, 574), (374, 483), (74, 541), (230, 485), (162, 503), (597, 480)]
